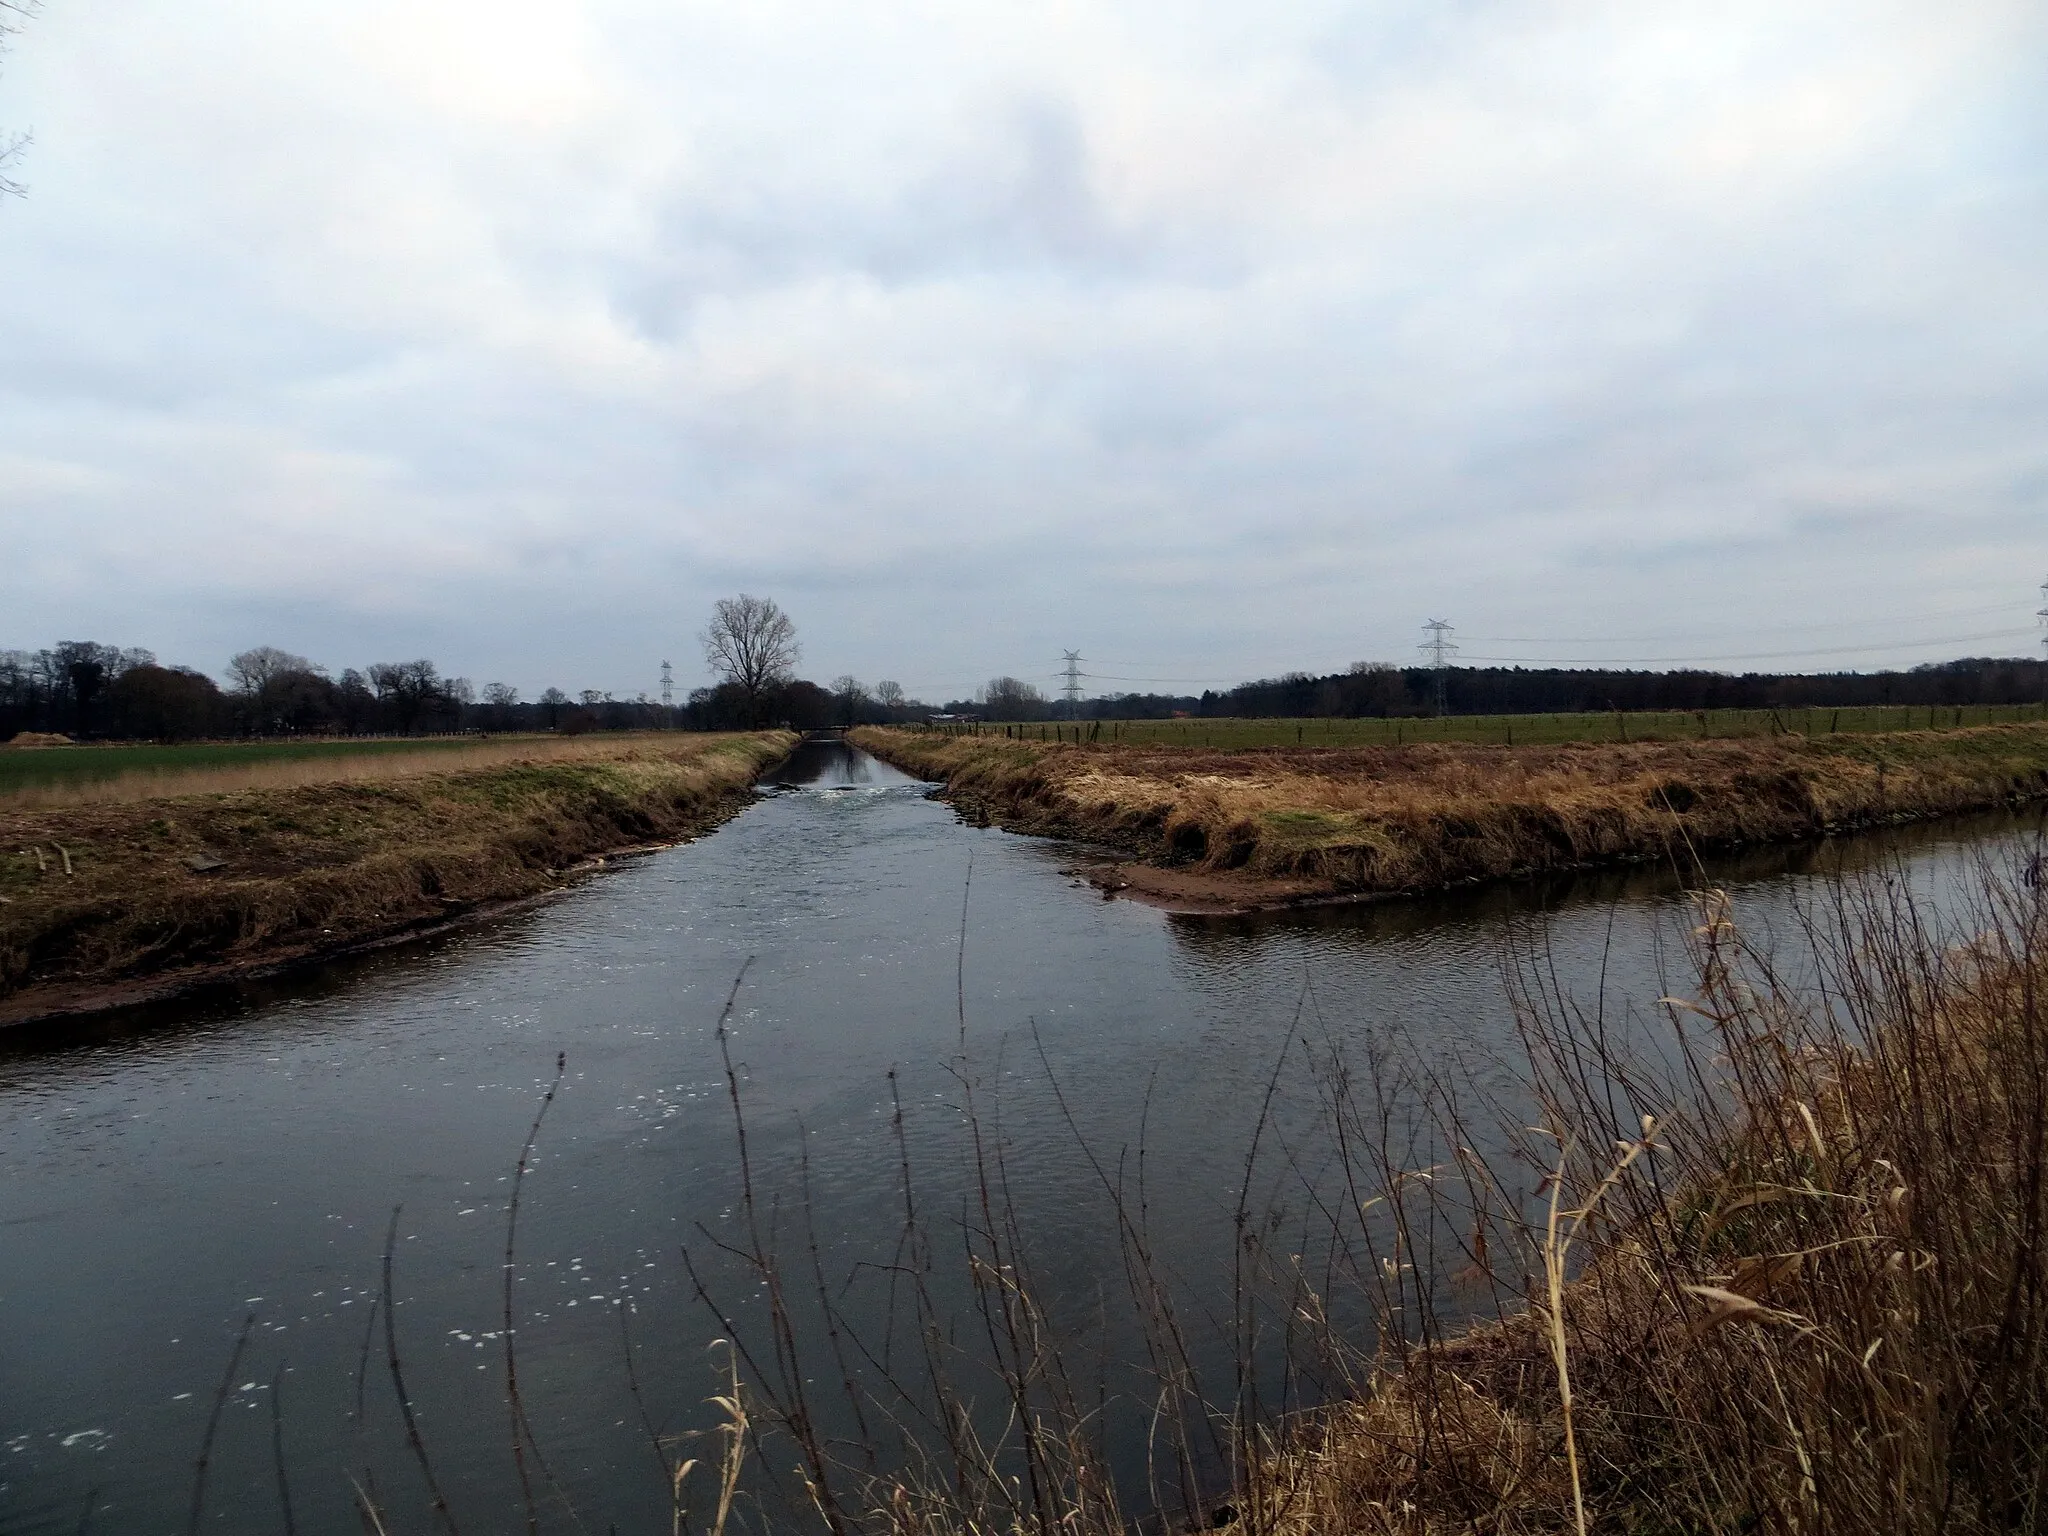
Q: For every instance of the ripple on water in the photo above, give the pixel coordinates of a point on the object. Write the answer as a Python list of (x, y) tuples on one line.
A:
[(161, 1169)]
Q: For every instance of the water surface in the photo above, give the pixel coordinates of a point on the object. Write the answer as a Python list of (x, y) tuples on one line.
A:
[(167, 1172)]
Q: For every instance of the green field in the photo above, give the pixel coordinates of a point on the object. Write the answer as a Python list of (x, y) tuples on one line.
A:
[(1521, 730), (50, 767)]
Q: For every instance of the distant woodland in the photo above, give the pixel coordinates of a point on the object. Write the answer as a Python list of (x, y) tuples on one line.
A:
[(86, 690), (91, 691), (1372, 689)]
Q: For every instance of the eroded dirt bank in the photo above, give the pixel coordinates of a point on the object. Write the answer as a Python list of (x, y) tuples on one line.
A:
[(1220, 831), (102, 905)]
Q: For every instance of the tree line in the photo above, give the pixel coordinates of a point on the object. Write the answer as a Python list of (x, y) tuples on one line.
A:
[(88, 690), (1379, 689), (92, 691), (1383, 690)]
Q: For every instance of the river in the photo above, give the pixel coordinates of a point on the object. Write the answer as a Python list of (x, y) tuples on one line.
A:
[(169, 1171)]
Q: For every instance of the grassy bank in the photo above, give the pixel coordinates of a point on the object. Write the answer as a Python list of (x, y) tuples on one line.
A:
[(101, 899), (1555, 729), (1774, 1259), (73, 775), (1285, 823)]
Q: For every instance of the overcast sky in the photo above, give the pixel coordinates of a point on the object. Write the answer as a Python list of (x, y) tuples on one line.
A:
[(1209, 340)]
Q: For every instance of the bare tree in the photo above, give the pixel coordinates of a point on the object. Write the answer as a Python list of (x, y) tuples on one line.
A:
[(12, 14), (852, 695), (355, 706), (459, 694), (407, 689), (84, 668), (499, 700), (278, 693), (18, 690), (254, 670), (752, 642), (1011, 698), (889, 694)]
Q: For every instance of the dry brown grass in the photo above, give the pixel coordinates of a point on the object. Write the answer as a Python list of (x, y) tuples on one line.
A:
[(1414, 818), (337, 767), (1780, 1265), (100, 896), (1816, 1299)]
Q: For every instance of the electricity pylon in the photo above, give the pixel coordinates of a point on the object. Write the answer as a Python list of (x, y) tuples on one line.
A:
[(1439, 649), (1072, 686)]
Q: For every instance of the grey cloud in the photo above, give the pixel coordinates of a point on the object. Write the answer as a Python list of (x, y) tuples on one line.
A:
[(1015, 197), (1154, 331)]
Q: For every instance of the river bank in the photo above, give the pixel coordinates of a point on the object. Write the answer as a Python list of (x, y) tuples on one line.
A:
[(1216, 831), (241, 1149), (103, 904), (1805, 1300)]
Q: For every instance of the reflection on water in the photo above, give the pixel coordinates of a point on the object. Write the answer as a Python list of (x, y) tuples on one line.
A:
[(827, 762), (168, 1172)]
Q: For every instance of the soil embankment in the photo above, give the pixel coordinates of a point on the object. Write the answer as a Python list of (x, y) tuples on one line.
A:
[(102, 904), (1220, 831)]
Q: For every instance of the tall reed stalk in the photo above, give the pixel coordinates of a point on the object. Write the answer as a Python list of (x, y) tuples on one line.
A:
[(1778, 1265), (1780, 1269)]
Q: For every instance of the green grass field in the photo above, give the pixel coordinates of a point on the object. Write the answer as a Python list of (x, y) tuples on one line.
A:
[(1529, 730), (50, 767)]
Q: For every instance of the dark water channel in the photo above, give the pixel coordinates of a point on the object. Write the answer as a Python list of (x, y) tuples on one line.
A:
[(167, 1172)]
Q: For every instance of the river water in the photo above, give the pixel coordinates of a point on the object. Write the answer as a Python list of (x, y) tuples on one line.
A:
[(169, 1172)]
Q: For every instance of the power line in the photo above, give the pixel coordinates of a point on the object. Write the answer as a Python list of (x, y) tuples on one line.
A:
[(1827, 625), (1831, 626), (1112, 677), (1643, 661), (1071, 672), (1665, 661)]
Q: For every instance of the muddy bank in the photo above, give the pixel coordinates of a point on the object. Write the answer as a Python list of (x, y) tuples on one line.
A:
[(1232, 831), (103, 905)]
